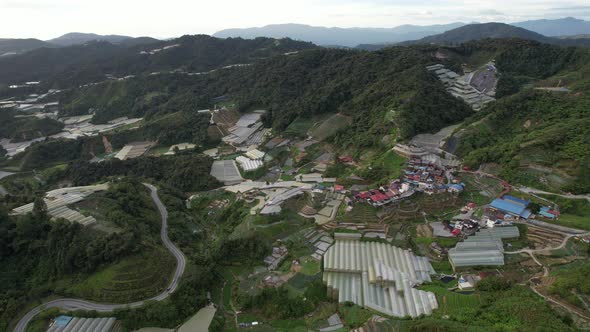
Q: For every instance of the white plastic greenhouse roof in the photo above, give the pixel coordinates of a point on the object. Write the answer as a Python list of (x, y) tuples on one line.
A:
[(378, 276)]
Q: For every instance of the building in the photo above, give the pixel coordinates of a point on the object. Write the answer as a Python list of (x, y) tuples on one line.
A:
[(226, 171), (79, 324), (378, 276), (512, 206), (484, 248), (546, 212)]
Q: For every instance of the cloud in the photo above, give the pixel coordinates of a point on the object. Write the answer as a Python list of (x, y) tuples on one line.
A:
[(490, 12), (572, 8), (37, 5)]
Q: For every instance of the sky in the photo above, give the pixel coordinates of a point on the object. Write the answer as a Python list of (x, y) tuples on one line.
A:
[(46, 19)]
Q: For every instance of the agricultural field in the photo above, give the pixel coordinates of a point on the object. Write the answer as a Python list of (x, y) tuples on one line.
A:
[(354, 315), (451, 303), (301, 126), (480, 189), (134, 278), (360, 213), (330, 126)]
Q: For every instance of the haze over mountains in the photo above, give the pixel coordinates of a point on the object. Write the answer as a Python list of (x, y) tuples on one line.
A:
[(351, 37)]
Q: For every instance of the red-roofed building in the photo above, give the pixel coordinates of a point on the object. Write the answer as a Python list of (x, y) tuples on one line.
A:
[(363, 195), (338, 188), (345, 159)]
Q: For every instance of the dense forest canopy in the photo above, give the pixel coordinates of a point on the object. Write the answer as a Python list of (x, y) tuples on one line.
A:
[(23, 127), (76, 65), (35, 251)]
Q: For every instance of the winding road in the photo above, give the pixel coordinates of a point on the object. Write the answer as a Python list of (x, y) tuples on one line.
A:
[(531, 253), (79, 304)]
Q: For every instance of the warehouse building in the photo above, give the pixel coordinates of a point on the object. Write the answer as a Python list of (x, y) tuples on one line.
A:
[(512, 206), (378, 276), (484, 248)]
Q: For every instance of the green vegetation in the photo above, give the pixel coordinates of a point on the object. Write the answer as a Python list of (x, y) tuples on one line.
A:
[(572, 283), (39, 256), (26, 128), (574, 212), (353, 315), (184, 172), (384, 168), (497, 305), (132, 279), (538, 138)]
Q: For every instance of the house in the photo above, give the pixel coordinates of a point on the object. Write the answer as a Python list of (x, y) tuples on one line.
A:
[(546, 212), (345, 159), (339, 189), (468, 281), (456, 188)]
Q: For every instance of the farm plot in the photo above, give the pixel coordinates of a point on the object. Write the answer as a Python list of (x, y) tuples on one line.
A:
[(361, 213), (330, 127), (134, 278), (451, 303)]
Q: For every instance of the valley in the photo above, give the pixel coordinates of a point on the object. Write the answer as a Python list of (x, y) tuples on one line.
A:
[(275, 185)]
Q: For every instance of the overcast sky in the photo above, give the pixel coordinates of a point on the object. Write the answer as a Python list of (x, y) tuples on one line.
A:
[(45, 19)]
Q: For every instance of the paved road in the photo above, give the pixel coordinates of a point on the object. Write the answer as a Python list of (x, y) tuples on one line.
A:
[(78, 304), (536, 191)]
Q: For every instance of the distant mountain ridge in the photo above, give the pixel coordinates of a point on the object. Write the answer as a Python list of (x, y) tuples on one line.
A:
[(480, 31), (16, 46), (351, 37), (493, 30), (567, 26), (76, 38), (347, 37), (91, 62)]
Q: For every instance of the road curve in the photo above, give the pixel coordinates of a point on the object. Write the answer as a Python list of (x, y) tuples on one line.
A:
[(78, 304)]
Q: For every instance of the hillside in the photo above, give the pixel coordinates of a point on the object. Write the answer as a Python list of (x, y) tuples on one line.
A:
[(567, 26), (81, 64), (481, 31), (17, 46), (534, 137), (364, 85), (76, 38)]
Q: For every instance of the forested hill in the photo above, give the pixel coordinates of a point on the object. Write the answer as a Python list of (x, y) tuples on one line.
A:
[(491, 30), (369, 86), (80, 64), (535, 137)]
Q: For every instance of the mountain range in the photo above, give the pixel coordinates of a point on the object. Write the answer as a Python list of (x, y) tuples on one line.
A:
[(10, 46), (351, 37), (347, 37)]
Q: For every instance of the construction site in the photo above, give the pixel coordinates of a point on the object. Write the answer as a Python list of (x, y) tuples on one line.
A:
[(475, 89)]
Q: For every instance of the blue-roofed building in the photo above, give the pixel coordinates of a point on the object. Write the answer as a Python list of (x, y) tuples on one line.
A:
[(456, 187), (544, 211), (511, 207), (516, 200), (62, 321)]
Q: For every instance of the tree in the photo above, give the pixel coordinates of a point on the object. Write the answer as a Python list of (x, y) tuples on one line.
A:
[(39, 208)]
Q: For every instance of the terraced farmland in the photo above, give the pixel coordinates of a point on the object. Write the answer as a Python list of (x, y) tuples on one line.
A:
[(132, 279)]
